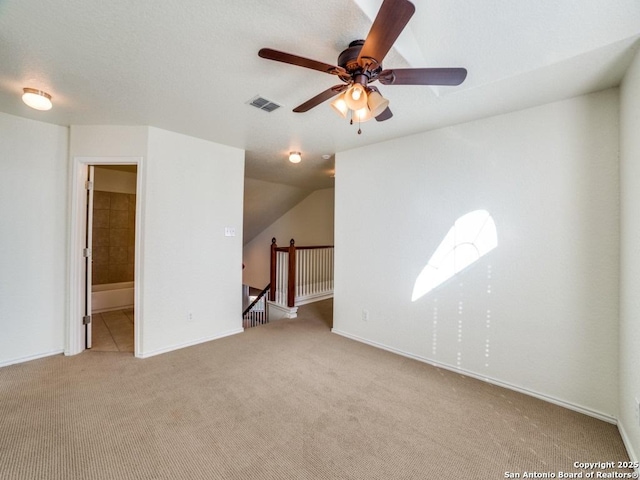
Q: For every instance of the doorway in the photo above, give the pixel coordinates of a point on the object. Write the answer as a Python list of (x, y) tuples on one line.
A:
[(112, 233), (105, 244)]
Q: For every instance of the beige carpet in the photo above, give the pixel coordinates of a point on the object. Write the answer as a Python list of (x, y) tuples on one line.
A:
[(289, 400)]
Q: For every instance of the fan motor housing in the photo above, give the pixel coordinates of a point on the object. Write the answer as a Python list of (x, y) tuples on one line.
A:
[(348, 60)]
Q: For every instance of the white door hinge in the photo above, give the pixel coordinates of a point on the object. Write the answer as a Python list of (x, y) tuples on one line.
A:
[(86, 252), (86, 320), (88, 185)]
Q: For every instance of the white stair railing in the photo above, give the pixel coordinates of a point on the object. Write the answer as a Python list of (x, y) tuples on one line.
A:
[(314, 273), (282, 278), (300, 274)]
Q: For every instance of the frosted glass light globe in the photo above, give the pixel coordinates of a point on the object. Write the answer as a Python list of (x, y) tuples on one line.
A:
[(37, 99)]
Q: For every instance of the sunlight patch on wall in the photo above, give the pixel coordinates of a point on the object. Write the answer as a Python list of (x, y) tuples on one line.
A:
[(472, 236)]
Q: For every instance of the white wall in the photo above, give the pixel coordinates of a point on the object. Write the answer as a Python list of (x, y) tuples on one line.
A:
[(191, 190), (630, 258), (194, 189), (108, 141), (310, 223), (538, 313), (33, 233)]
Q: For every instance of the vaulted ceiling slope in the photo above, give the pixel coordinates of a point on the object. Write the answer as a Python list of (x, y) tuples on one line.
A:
[(265, 202), (191, 67)]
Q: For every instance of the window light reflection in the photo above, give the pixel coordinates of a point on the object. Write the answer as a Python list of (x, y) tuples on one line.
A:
[(472, 236)]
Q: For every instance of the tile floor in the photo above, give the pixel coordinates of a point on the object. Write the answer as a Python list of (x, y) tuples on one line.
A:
[(112, 331)]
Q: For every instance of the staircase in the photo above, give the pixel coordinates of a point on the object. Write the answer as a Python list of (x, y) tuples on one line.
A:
[(299, 275), (256, 312)]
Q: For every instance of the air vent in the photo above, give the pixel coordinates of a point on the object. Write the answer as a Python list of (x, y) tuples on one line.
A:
[(263, 104)]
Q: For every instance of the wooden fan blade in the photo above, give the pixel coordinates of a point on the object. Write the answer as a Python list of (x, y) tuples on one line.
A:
[(423, 76), (389, 23), (385, 115), (321, 97), (284, 57)]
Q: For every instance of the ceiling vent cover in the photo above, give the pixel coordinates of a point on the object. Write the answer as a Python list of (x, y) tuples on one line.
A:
[(263, 104)]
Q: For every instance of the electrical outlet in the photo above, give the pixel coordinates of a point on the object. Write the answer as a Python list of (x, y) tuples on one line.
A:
[(190, 317), (365, 315)]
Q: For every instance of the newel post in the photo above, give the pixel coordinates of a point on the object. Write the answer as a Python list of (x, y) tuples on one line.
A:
[(291, 286), (272, 273)]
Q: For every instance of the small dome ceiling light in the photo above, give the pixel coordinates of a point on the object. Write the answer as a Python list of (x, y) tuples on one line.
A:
[(295, 157), (37, 99)]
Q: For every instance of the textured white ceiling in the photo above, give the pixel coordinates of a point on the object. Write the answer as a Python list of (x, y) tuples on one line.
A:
[(190, 67)]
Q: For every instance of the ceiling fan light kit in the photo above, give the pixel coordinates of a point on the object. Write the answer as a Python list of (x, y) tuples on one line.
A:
[(376, 102), (340, 105), (356, 97), (362, 115), (361, 64)]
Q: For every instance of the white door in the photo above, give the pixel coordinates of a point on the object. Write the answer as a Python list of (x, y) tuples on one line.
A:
[(88, 257)]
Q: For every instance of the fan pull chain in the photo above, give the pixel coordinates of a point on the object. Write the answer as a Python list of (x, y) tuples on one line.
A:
[(351, 122)]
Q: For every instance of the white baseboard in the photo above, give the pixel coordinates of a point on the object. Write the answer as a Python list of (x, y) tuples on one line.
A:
[(189, 344), (28, 358), (627, 444), (547, 398)]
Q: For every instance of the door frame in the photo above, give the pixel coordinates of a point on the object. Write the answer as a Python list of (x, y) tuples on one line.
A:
[(75, 330), (88, 260)]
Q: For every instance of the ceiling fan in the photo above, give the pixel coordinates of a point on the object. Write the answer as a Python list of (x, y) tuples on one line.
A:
[(361, 64)]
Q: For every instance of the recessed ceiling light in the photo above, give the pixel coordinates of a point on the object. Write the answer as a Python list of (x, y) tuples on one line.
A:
[(37, 99), (326, 156), (295, 157)]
